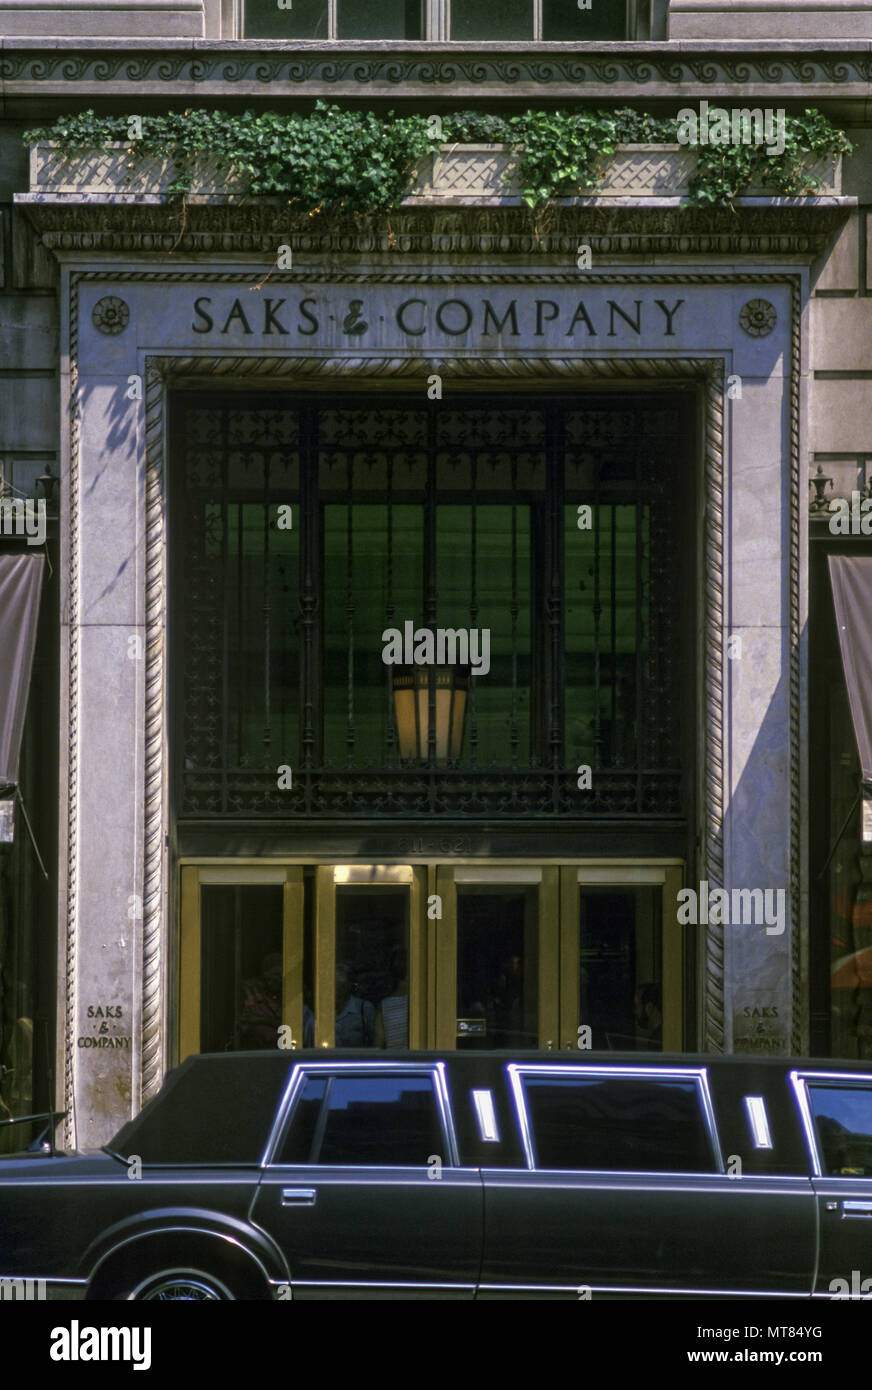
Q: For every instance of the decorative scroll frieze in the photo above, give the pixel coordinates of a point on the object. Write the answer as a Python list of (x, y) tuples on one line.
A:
[(777, 69)]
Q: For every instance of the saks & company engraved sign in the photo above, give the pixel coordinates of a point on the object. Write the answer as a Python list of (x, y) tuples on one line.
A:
[(420, 315)]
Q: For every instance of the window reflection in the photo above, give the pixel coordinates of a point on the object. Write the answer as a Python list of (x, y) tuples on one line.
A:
[(372, 980), (241, 967), (620, 968), (497, 968)]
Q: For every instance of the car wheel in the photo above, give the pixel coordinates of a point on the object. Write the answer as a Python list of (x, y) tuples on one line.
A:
[(186, 1284)]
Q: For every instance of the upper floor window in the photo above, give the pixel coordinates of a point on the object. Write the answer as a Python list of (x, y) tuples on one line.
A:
[(556, 21)]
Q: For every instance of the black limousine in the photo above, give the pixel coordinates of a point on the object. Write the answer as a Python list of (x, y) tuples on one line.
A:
[(464, 1175)]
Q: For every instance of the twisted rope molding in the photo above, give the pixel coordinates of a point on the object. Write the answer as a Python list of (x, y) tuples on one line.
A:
[(710, 371), (154, 925), (72, 847), (629, 243), (714, 960), (313, 275), (798, 952)]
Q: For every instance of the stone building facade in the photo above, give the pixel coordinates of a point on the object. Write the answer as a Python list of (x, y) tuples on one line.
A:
[(688, 387)]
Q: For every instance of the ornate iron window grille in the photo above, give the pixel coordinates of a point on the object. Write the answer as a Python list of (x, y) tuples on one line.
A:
[(277, 629)]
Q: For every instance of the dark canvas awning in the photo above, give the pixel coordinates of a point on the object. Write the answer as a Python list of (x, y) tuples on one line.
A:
[(851, 578), (20, 584)]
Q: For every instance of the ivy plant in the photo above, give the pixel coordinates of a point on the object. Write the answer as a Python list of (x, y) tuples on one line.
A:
[(326, 160), (332, 160)]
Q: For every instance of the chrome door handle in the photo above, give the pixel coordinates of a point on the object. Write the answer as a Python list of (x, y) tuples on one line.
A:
[(857, 1209), (298, 1196)]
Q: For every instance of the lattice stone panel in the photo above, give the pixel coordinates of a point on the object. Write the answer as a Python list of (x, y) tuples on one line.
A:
[(116, 172), (474, 174)]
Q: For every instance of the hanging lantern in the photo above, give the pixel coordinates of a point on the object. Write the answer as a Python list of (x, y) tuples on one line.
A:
[(415, 687)]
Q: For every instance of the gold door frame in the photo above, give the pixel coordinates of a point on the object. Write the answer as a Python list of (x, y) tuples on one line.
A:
[(444, 941), (238, 873), (327, 878), (668, 874)]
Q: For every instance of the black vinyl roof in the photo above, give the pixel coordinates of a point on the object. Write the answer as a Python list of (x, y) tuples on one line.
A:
[(219, 1107), (214, 1108)]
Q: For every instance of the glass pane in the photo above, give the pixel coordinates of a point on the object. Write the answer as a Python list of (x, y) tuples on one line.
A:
[(618, 1124), (380, 589), (620, 967), (566, 20), (262, 639), (241, 966), (497, 968), (606, 585), (380, 19), (236, 535), (381, 1119), (372, 974), (301, 19), (843, 1117), (297, 1146), (490, 594), (482, 19)]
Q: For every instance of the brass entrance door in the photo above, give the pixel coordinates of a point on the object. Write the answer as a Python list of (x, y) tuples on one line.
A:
[(496, 951), (621, 959), (499, 956), (370, 963), (547, 956), (241, 957)]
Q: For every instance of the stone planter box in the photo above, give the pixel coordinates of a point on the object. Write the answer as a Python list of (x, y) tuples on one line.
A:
[(457, 175), (115, 173), (489, 174)]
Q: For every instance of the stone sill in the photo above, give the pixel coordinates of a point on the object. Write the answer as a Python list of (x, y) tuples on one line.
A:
[(457, 176), (694, 47)]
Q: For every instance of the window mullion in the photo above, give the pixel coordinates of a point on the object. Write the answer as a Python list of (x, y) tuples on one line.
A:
[(437, 20), (333, 19)]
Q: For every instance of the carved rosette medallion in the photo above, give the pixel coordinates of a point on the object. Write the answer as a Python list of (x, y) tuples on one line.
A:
[(110, 315), (757, 318)]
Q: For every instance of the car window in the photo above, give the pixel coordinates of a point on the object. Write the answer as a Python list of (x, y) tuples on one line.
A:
[(843, 1121), (365, 1120), (618, 1123)]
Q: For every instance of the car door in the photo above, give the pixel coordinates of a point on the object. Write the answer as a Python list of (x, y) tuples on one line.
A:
[(626, 1192), (363, 1189), (837, 1109)]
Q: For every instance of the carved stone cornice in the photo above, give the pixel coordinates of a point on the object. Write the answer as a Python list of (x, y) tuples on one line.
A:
[(438, 73), (798, 227)]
